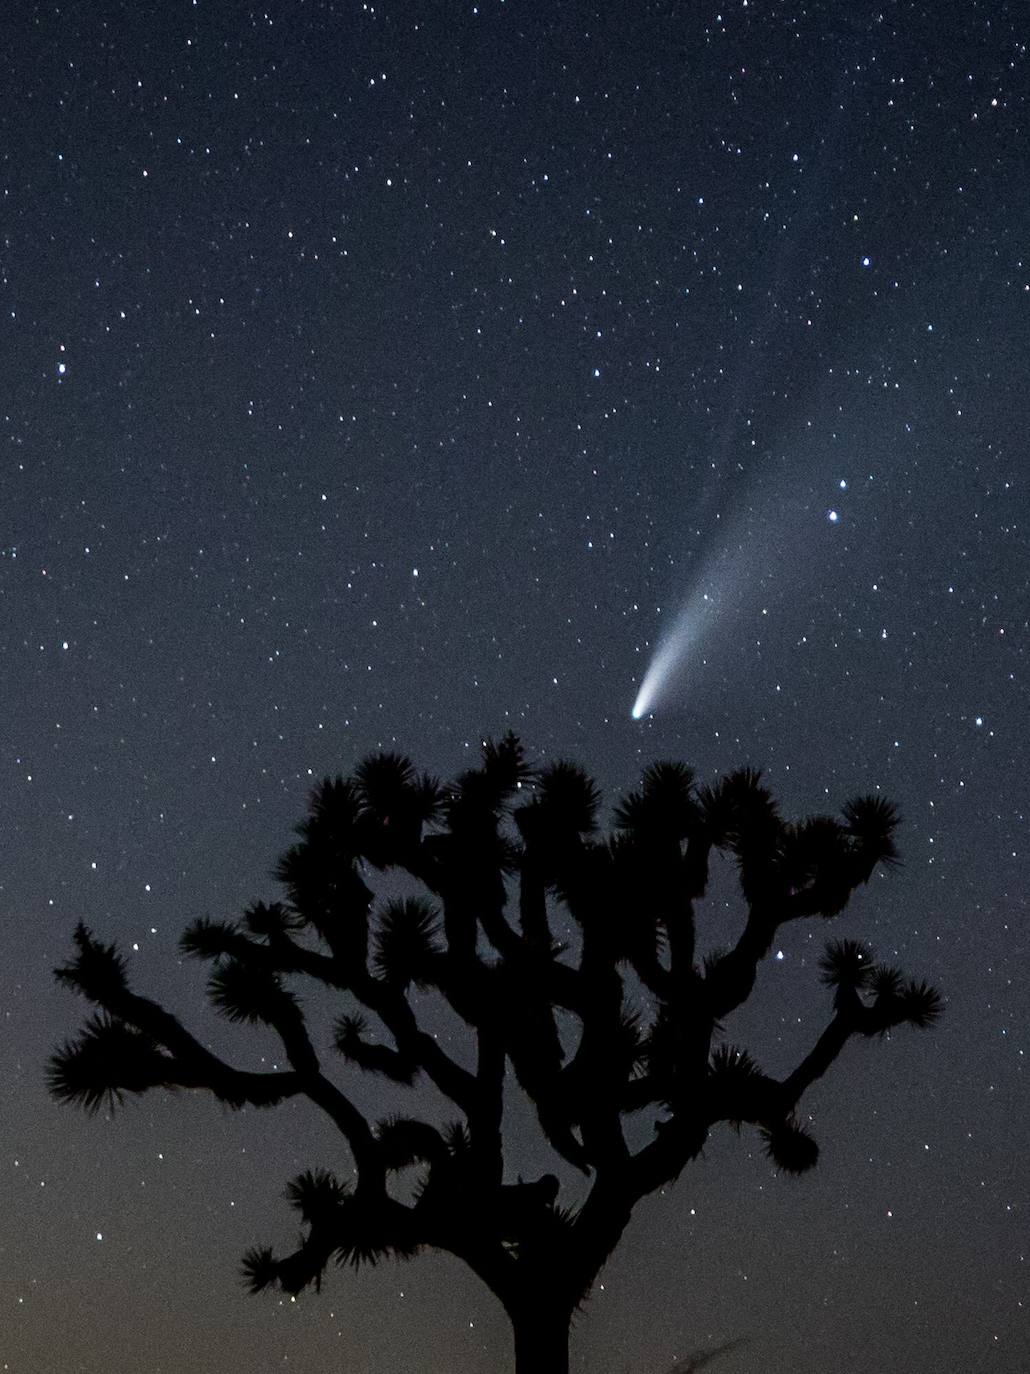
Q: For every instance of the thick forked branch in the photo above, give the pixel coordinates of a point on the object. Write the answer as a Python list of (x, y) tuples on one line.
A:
[(355, 1130), (737, 1091), (396, 1014), (77, 1074), (99, 972), (732, 977), (283, 955), (819, 1058), (789, 872), (110, 1058), (205, 939)]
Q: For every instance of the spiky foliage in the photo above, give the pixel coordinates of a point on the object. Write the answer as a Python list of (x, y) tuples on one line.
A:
[(259, 1269), (396, 804), (898, 1001), (479, 796), (790, 1146), (568, 798), (315, 1193), (404, 1141), (407, 947), (457, 1139), (736, 1086), (664, 806), (207, 939), (731, 1069), (106, 1060), (846, 966), (248, 993), (504, 763), (872, 823), (740, 813), (271, 920), (373, 1058), (570, 958), (96, 970), (922, 1004)]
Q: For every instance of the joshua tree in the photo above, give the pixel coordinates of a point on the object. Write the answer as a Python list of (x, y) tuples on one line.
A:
[(571, 960)]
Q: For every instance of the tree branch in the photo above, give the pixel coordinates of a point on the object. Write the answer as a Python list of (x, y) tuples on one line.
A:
[(819, 1058), (194, 1065)]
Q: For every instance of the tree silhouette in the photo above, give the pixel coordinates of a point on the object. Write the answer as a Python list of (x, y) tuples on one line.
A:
[(571, 960)]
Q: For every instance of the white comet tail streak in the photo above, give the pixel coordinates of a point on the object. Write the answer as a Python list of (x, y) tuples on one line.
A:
[(667, 656)]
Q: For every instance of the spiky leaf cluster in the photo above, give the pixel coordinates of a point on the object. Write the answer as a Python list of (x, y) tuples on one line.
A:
[(207, 939), (567, 799), (316, 1194), (96, 970), (664, 807), (899, 1001), (790, 1146), (404, 1141), (271, 920), (407, 947), (104, 1062), (250, 993), (350, 1041), (872, 823)]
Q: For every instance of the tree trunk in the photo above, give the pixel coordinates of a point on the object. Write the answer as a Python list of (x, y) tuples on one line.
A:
[(541, 1340)]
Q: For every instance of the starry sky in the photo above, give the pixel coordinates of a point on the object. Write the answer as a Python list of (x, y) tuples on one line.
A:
[(390, 375)]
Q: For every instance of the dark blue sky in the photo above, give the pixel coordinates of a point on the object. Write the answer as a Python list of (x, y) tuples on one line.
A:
[(392, 375)]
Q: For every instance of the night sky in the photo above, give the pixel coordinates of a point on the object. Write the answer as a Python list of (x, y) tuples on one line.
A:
[(392, 375)]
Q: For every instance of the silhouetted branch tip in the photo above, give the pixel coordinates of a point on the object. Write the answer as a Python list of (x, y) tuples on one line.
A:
[(923, 1005), (664, 809), (316, 1194), (259, 1269), (569, 797), (404, 1141), (900, 1001), (333, 807), (790, 1146), (505, 765), (872, 821), (97, 970), (207, 939), (255, 995), (369, 1056), (104, 1062), (407, 946), (456, 1138), (731, 1066), (846, 965), (271, 920)]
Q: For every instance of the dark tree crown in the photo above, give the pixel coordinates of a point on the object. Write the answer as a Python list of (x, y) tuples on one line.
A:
[(530, 920)]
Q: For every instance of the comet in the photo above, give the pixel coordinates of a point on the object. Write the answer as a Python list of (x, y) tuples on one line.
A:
[(667, 659), (713, 595), (743, 571)]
